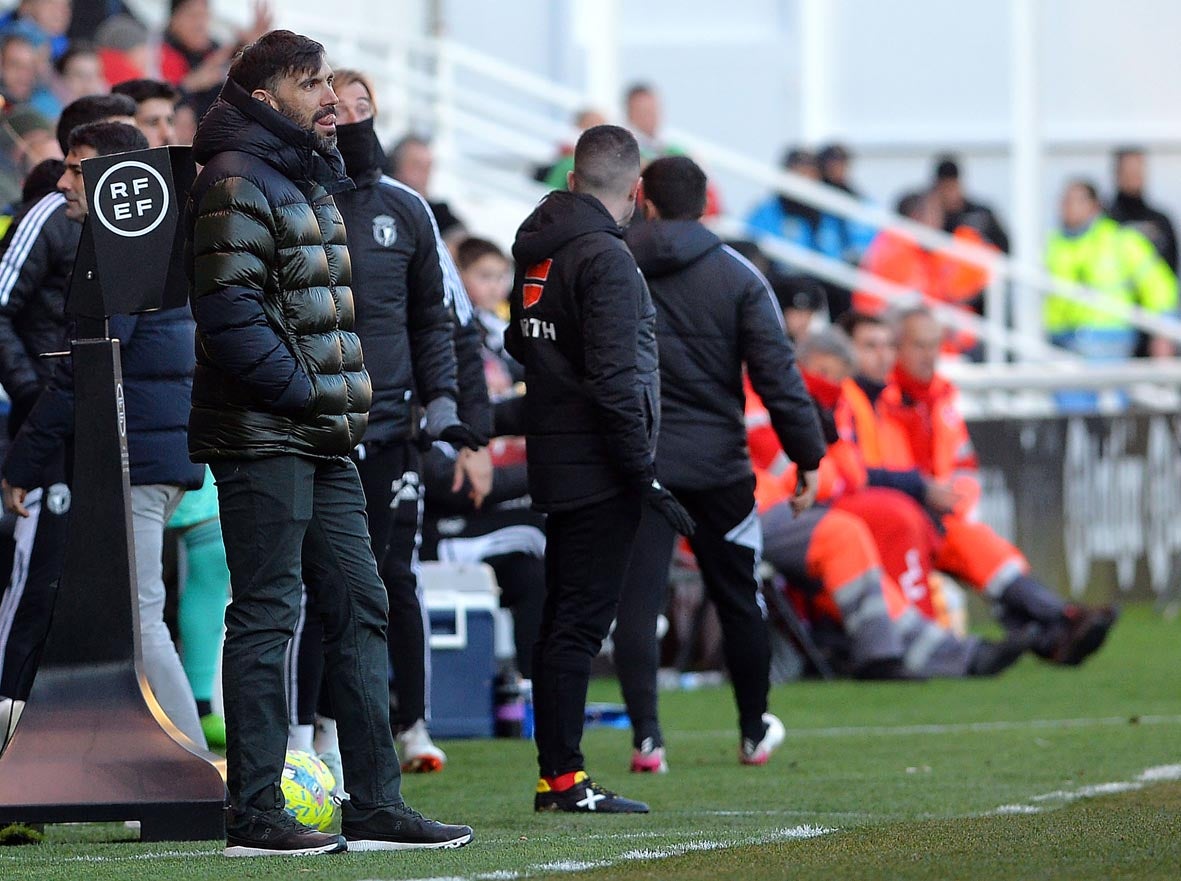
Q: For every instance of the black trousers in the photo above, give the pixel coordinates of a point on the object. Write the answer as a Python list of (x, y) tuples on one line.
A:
[(26, 601), (287, 519), (393, 505), (727, 544), (586, 556)]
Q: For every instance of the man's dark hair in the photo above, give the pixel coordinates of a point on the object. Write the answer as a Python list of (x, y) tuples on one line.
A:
[(91, 108), (107, 138), (798, 291), (606, 160), (676, 186), (77, 48), (1119, 154), (910, 204), (399, 150), (42, 180), (946, 168), (794, 157), (273, 56), (851, 320), (1086, 186), (636, 89), (473, 248), (146, 90)]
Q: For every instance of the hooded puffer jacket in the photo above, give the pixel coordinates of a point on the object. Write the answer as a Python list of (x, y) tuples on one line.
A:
[(279, 369)]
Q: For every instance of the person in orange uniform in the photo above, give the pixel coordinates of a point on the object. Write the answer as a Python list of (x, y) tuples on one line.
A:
[(830, 556), (913, 437)]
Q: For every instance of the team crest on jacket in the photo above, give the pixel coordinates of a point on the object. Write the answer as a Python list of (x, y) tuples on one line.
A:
[(534, 286), (385, 231)]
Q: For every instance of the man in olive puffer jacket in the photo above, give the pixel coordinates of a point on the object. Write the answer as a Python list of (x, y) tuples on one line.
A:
[(280, 397)]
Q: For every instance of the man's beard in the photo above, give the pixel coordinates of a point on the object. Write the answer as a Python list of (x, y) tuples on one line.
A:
[(307, 122)]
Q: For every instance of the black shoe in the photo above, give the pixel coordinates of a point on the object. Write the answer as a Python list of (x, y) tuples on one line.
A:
[(990, 658), (1086, 629), (585, 797), (276, 833), (397, 827)]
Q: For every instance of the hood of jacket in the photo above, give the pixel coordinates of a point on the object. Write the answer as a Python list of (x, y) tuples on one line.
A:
[(560, 218), (238, 122), (662, 247)]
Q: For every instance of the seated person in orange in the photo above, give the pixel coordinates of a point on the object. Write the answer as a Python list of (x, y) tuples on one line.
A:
[(939, 277), (830, 558), (908, 428)]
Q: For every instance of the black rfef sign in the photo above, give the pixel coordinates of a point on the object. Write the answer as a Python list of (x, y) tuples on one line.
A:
[(129, 258)]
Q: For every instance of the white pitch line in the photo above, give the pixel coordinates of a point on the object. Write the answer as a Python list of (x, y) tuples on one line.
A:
[(1060, 797), (955, 727)]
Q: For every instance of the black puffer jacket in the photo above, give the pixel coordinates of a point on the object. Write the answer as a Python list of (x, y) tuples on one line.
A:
[(39, 250), (583, 328), (279, 369), (715, 313)]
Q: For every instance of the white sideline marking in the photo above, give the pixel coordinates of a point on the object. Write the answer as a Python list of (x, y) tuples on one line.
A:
[(795, 833), (1060, 797), (955, 727)]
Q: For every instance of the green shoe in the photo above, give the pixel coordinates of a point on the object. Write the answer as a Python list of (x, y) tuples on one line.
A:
[(214, 727)]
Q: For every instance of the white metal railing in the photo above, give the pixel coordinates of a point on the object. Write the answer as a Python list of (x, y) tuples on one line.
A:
[(479, 111)]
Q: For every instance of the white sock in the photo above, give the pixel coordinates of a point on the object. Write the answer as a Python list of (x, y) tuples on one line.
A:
[(326, 739), (300, 737)]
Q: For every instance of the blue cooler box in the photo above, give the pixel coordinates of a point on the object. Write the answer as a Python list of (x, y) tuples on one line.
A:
[(463, 664)]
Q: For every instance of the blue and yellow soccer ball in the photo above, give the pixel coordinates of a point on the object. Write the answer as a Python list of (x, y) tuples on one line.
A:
[(307, 789)]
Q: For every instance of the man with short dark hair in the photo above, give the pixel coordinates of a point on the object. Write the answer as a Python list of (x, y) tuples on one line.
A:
[(280, 399), (1130, 208), (960, 210), (410, 162), (583, 328), (155, 109), (716, 318)]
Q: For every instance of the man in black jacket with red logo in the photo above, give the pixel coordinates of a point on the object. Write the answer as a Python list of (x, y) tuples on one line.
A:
[(715, 315), (583, 327)]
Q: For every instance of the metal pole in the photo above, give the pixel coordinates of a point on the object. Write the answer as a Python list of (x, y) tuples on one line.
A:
[(1026, 161), (815, 20)]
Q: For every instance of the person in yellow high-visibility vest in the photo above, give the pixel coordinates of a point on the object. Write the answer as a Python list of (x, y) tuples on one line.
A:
[(1093, 250)]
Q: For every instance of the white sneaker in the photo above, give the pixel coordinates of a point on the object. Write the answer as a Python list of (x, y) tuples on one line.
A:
[(418, 751), (751, 753)]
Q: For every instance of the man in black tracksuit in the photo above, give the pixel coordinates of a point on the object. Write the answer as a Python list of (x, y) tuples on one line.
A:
[(583, 328), (409, 304), (715, 315)]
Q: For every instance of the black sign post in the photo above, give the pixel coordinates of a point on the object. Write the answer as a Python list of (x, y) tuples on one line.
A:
[(93, 743)]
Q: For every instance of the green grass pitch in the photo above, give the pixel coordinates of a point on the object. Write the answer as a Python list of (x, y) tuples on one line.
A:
[(1044, 773)]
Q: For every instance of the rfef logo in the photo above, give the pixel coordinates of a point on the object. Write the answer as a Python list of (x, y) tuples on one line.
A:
[(534, 286), (131, 199)]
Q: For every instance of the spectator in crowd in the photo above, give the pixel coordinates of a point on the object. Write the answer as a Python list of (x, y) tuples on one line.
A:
[(51, 18), (913, 425), (40, 182), (90, 14), (414, 320), (27, 139), (411, 161), (1121, 264), (155, 109), (939, 277), (583, 326), (960, 211), (79, 73), (24, 70), (192, 60), (716, 318), (124, 49), (157, 362), (1130, 208), (554, 176), (280, 399), (185, 123), (487, 276), (834, 160), (831, 559), (799, 297)]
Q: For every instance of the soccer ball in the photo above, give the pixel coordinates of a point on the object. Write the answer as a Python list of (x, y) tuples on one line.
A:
[(307, 786)]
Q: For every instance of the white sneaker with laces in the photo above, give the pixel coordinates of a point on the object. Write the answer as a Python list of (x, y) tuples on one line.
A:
[(417, 751), (751, 753)]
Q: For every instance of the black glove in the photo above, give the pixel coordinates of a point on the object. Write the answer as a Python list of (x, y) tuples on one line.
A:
[(669, 508), (443, 423)]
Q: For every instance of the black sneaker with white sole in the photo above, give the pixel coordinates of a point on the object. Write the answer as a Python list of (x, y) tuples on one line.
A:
[(584, 797), (397, 827), (275, 832)]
